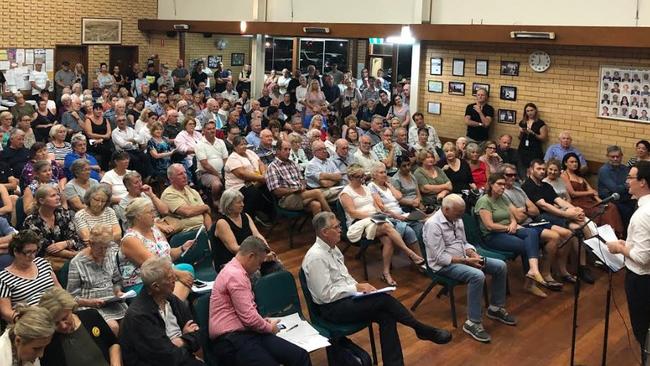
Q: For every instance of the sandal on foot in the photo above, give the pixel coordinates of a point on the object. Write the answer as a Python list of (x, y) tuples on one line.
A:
[(537, 279), (386, 278), (568, 278)]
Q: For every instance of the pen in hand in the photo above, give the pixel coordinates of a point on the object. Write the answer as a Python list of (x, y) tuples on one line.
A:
[(293, 327)]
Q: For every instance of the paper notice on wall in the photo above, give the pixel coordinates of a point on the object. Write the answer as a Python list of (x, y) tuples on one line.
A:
[(11, 54), (49, 59), (39, 55), (3, 55), (29, 57), (4, 65), (22, 78), (20, 56)]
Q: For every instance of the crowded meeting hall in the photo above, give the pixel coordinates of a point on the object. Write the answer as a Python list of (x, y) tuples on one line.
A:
[(285, 183)]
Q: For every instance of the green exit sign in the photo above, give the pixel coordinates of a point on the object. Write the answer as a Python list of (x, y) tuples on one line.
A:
[(376, 40)]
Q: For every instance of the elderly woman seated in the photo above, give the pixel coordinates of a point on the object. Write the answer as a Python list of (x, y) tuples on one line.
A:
[(233, 225), (143, 240), (432, 181), (27, 277), (42, 176), (94, 277), (297, 154), (76, 189), (387, 200), (38, 152), (58, 146), (457, 169), (405, 182), (135, 189), (97, 212), (79, 151), (23, 342), (360, 207), (480, 170), (81, 337)]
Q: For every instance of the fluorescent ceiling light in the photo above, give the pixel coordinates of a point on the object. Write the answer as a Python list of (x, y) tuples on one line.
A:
[(405, 37)]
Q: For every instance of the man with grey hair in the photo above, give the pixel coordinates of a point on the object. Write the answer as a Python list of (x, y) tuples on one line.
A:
[(322, 173), (80, 151), (449, 254), (14, 157), (158, 327), (376, 124), (331, 287), (611, 179), (364, 156), (73, 119), (557, 151), (240, 334), (265, 150), (342, 159), (184, 202)]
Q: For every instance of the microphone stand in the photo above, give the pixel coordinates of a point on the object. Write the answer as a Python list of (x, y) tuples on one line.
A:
[(579, 234)]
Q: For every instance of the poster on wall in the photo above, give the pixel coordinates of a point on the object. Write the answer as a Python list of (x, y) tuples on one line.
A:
[(624, 93)]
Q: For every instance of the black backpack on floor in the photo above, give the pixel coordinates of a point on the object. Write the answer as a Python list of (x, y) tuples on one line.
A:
[(343, 352)]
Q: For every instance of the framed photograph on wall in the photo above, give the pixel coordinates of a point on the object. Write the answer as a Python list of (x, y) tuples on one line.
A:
[(435, 86), (477, 86), (508, 116), (237, 59), (481, 68), (456, 88), (436, 66), (458, 67), (508, 92), (213, 61), (433, 107), (101, 31), (624, 94), (510, 68)]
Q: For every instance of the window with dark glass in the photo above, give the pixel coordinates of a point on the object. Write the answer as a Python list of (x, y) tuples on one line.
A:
[(278, 53)]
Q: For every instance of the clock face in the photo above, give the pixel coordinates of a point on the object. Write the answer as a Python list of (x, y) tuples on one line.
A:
[(539, 61)]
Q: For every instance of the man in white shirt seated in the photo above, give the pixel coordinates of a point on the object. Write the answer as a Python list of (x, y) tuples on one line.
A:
[(449, 254), (230, 93), (211, 155), (364, 156), (322, 173), (126, 139), (418, 118), (332, 287)]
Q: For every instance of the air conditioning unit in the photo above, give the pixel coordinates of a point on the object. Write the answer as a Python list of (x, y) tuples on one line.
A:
[(181, 27), (316, 30), (532, 35)]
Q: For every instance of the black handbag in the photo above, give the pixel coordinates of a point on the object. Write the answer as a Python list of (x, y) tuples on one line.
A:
[(344, 352)]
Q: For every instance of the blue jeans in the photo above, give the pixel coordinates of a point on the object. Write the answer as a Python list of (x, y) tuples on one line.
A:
[(475, 278), (525, 242)]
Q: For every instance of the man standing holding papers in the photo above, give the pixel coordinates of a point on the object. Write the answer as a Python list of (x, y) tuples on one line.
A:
[(637, 254), (331, 287)]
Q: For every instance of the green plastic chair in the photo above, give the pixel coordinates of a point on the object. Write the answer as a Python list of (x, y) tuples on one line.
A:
[(20, 213), (334, 330), (199, 256), (62, 274), (276, 295), (293, 216), (362, 244), (201, 317)]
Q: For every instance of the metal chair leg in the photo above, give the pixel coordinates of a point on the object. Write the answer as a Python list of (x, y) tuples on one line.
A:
[(485, 294), (452, 302), (424, 294), (373, 348), (292, 224), (365, 265)]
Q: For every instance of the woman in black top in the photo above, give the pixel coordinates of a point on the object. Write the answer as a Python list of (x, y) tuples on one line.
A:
[(119, 78), (287, 107), (198, 75), (457, 170), (233, 225), (81, 338), (43, 122), (98, 128), (532, 134)]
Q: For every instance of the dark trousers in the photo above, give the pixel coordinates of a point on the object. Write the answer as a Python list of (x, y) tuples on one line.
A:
[(252, 348), (382, 309), (139, 162), (257, 199), (637, 289)]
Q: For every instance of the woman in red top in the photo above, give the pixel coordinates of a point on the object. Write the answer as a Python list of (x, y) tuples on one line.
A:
[(480, 170)]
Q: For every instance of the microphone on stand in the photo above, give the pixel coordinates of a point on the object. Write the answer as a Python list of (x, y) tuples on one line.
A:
[(606, 200)]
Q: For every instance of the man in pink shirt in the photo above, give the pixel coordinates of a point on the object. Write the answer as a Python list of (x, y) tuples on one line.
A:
[(241, 336)]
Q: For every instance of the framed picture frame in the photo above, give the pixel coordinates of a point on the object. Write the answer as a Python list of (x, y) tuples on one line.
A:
[(624, 93), (510, 68), (213, 61), (436, 66), (101, 31), (435, 86), (481, 67), (508, 92), (456, 88), (237, 59), (507, 116), (477, 86), (433, 108), (458, 67)]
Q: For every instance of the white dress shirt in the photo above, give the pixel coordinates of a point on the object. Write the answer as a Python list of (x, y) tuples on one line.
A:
[(327, 277), (443, 240), (638, 239), (122, 139)]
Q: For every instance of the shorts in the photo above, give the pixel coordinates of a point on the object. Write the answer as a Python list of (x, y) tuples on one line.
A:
[(405, 231), (293, 202), (554, 220), (207, 179)]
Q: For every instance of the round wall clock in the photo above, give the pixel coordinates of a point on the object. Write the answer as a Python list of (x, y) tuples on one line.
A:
[(539, 61)]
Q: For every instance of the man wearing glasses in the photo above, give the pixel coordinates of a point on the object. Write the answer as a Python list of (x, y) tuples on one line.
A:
[(636, 250)]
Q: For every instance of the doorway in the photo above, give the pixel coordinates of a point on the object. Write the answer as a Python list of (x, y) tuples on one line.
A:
[(124, 57), (72, 54)]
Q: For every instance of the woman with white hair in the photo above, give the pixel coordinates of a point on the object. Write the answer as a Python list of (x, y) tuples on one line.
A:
[(94, 276), (297, 154), (75, 189), (233, 225), (143, 240), (360, 207), (480, 170), (58, 145), (97, 212)]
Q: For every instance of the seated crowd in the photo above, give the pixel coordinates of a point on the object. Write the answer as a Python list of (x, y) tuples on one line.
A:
[(95, 191)]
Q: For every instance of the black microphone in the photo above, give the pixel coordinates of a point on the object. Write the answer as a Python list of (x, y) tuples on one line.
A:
[(613, 197)]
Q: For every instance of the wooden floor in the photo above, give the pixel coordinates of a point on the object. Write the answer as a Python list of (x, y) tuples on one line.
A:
[(542, 337)]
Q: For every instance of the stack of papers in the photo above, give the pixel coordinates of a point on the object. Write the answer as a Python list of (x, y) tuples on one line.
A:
[(614, 261), (127, 295), (358, 294), (301, 333)]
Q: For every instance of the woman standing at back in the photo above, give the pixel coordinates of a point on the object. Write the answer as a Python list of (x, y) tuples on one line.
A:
[(533, 132)]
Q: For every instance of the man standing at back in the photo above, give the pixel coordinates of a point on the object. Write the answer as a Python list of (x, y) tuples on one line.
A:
[(478, 117), (331, 287)]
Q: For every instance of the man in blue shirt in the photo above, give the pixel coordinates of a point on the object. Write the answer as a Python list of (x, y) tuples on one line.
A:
[(253, 137), (557, 151), (611, 179)]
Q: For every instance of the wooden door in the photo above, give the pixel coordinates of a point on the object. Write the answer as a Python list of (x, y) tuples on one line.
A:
[(72, 54), (123, 56)]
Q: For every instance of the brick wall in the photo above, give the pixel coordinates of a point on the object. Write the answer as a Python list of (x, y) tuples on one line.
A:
[(566, 94), (44, 24), (198, 46)]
